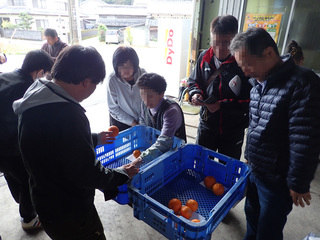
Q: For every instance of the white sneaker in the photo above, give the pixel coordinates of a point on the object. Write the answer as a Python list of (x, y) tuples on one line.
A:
[(33, 224)]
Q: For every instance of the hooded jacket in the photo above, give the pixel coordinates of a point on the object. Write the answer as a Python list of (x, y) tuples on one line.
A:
[(283, 140), (124, 100), (58, 152), (233, 111)]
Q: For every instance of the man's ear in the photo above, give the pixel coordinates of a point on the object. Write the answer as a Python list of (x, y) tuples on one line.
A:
[(269, 52), (85, 82)]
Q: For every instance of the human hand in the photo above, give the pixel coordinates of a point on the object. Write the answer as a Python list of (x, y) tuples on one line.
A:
[(105, 137), (300, 198), (132, 168), (134, 123), (137, 162), (195, 100), (213, 107)]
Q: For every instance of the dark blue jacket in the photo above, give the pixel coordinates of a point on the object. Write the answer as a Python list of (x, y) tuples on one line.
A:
[(283, 141)]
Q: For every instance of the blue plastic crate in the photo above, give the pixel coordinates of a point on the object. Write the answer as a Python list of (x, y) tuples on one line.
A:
[(180, 174), (115, 155)]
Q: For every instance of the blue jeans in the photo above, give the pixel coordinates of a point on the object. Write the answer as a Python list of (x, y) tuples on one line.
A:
[(267, 207)]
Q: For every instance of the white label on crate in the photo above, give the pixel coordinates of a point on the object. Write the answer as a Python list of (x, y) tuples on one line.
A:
[(131, 158), (197, 216)]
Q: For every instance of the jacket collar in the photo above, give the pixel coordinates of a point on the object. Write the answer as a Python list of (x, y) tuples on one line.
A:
[(284, 71), (209, 55)]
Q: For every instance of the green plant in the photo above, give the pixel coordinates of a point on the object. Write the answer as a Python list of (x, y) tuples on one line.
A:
[(8, 24), (129, 36), (102, 32), (26, 21)]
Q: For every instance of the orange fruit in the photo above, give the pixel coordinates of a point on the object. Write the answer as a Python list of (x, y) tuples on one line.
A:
[(114, 130), (218, 189), (209, 181), (195, 220), (175, 204), (193, 204), (186, 212), (136, 153)]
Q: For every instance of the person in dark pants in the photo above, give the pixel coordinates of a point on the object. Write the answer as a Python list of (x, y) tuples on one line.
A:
[(283, 136), (218, 85), (123, 95), (13, 85), (160, 113), (58, 148)]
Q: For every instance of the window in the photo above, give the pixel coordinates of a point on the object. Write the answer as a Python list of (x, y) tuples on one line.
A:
[(18, 2), (39, 3), (42, 24), (304, 30), (61, 6), (271, 15)]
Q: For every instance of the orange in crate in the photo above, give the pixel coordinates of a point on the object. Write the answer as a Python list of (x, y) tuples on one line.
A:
[(218, 189), (195, 220), (114, 130), (175, 204), (136, 153), (193, 204), (209, 181), (186, 212)]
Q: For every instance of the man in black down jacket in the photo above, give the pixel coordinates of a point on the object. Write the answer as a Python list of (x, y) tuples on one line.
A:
[(283, 141), (12, 87), (58, 149), (224, 117)]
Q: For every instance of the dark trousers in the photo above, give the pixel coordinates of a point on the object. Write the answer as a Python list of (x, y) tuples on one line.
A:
[(266, 208), (84, 226), (17, 178), (229, 144), (120, 125)]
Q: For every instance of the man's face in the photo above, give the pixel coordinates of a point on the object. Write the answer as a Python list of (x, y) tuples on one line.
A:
[(251, 65), (126, 70), (51, 41), (150, 97), (220, 44)]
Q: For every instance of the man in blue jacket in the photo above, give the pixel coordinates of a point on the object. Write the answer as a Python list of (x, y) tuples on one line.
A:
[(283, 136)]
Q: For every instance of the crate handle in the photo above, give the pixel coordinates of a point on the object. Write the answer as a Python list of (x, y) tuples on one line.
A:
[(218, 160)]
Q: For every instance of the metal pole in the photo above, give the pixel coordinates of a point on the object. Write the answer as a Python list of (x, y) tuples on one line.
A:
[(74, 22)]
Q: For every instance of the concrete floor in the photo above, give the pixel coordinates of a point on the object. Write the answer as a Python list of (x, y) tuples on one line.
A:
[(120, 224)]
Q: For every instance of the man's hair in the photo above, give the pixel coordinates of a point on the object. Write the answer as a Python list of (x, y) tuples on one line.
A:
[(255, 41), (152, 81), (76, 63), (36, 60), (226, 24), (49, 32), (295, 50), (123, 54)]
